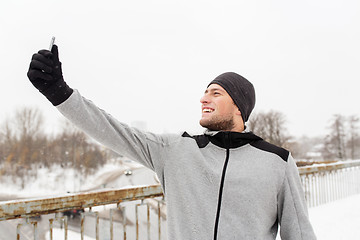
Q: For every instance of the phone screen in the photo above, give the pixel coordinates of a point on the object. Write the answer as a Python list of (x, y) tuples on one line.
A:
[(51, 43)]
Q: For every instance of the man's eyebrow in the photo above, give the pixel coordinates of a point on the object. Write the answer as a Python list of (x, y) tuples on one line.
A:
[(213, 90)]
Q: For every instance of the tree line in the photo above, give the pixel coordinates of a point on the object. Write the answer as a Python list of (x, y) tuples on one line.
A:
[(25, 147), (341, 142)]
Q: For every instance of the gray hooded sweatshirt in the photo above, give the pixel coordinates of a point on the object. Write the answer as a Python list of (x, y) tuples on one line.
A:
[(219, 185)]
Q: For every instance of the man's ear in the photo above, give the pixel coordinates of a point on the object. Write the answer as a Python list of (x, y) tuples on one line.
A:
[(238, 112)]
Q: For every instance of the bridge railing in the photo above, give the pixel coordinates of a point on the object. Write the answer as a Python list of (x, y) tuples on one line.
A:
[(140, 212), (324, 183), (109, 206)]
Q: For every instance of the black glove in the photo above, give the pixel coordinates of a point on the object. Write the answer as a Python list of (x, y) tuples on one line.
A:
[(46, 75)]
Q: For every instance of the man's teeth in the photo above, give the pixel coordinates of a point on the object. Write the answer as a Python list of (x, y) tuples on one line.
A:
[(207, 110)]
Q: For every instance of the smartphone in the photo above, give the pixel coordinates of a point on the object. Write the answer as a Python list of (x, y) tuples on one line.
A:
[(51, 43)]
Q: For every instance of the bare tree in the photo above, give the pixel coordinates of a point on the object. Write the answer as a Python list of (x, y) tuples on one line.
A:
[(270, 126), (19, 145), (28, 123), (334, 146), (6, 141), (353, 142)]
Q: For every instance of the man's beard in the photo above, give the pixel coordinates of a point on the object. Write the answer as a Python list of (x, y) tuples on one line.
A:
[(218, 124)]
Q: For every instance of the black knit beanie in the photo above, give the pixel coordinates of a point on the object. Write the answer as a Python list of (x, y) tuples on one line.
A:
[(240, 90)]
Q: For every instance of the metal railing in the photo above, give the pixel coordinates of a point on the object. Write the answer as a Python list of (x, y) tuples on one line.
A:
[(113, 213), (140, 212), (324, 183)]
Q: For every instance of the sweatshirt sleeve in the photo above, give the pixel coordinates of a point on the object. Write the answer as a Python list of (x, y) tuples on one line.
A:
[(139, 146), (292, 209)]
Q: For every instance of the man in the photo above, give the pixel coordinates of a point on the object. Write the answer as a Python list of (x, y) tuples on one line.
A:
[(224, 184)]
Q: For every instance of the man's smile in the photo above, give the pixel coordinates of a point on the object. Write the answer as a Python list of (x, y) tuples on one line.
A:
[(207, 110)]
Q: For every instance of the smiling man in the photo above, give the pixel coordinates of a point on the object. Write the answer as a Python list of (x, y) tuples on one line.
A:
[(219, 111), (224, 184), (227, 103)]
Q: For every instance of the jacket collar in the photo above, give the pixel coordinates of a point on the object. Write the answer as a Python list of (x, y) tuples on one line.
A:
[(224, 139), (233, 139)]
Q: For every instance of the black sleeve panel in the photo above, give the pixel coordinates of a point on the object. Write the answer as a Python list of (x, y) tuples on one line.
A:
[(263, 145)]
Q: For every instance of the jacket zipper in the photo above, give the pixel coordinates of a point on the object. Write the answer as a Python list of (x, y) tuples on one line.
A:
[(227, 144)]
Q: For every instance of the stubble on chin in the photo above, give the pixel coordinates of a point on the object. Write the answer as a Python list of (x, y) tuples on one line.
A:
[(218, 124)]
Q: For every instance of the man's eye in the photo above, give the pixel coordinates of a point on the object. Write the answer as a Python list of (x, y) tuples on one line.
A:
[(216, 93)]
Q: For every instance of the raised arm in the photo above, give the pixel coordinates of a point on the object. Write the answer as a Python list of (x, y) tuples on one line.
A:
[(45, 74)]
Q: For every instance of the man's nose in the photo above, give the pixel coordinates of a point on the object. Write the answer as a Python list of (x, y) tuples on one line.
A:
[(204, 99)]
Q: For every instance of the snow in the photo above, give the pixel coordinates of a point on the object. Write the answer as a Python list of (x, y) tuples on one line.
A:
[(337, 220), (58, 234), (332, 221), (58, 180)]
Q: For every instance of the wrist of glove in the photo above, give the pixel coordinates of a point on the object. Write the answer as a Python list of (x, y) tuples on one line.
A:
[(46, 75), (57, 92)]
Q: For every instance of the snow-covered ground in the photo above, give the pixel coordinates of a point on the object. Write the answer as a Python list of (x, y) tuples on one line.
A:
[(58, 234), (333, 221), (338, 220), (58, 180)]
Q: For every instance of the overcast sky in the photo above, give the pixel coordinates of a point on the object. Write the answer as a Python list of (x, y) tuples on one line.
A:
[(152, 60)]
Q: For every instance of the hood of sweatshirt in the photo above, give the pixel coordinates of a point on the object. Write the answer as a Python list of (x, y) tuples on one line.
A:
[(224, 139)]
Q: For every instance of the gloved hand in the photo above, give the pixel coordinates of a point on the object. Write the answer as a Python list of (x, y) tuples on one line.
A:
[(46, 75)]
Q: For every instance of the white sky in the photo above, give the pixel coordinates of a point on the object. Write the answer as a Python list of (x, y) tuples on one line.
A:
[(151, 60)]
